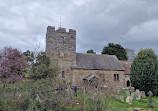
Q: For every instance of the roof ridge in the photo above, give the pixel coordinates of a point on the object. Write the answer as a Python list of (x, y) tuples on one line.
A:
[(95, 54)]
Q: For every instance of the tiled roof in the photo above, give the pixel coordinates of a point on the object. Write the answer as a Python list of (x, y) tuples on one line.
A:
[(127, 66), (97, 62)]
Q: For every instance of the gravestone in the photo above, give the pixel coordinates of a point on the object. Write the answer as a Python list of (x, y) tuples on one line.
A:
[(38, 98), (129, 100), (122, 99), (127, 93), (138, 95), (143, 94), (150, 99), (132, 89), (133, 95)]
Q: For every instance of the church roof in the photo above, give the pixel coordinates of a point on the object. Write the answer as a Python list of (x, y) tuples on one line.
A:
[(97, 62), (127, 66)]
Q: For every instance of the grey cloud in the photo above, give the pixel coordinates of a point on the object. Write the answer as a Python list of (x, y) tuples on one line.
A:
[(128, 22)]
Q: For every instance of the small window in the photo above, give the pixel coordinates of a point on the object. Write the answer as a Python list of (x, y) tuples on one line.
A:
[(62, 39), (114, 77), (63, 74), (117, 77)]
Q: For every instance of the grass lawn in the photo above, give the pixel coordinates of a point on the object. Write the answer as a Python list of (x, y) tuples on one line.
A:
[(142, 103), (116, 105)]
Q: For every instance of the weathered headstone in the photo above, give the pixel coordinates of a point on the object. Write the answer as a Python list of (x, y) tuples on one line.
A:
[(132, 89), (38, 98), (138, 95), (129, 100), (121, 98), (127, 93), (143, 94), (133, 95), (150, 99)]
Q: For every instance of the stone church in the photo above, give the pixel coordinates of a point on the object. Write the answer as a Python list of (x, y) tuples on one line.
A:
[(82, 68)]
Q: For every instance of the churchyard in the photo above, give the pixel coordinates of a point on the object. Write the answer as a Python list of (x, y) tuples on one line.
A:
[(39, 96), (36, 86)]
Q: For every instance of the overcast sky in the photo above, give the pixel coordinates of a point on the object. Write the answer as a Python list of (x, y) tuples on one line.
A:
[(132, 23)]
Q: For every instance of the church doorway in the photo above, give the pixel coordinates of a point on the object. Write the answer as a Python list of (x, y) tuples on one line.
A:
[(128, 83)]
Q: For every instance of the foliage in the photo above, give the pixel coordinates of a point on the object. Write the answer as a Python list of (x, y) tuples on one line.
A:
[(30, 57), (115, 49), (144, 74), (12, 65), (41, 68), (25, 98), (91, 51)]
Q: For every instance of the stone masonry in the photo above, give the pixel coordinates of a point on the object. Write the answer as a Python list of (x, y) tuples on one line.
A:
[(61, 48)]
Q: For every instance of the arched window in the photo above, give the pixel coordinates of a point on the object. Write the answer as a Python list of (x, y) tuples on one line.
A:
[(117, 77), (114, 77), (63, 74), (128, 83), (62, 39)]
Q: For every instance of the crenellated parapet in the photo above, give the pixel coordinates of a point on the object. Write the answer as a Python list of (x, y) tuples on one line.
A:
[(51, 29)]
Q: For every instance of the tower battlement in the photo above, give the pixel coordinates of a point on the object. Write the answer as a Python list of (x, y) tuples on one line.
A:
[(60, 40), (51, 29)]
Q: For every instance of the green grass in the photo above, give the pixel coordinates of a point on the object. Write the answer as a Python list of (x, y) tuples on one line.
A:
[(114, 105), (142, 103)]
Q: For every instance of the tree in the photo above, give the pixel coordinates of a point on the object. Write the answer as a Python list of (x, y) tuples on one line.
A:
[(115, 49), (30, 57), (41, 68), (91, 51), (144, 74), (12, 65)]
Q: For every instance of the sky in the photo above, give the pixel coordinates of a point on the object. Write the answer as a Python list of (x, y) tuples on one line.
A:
[(131, 23)]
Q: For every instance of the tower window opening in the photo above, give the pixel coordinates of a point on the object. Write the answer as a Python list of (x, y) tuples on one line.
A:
[(63, 74), (62, 40)]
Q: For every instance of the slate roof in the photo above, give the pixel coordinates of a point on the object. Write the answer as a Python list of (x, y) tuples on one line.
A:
[(97, 62), (90, 76), (127, 66)]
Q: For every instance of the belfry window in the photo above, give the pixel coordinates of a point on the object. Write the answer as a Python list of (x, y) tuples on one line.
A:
[(62, 39), (63, 74)]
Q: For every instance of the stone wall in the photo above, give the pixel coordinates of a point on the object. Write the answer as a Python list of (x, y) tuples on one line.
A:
[(108, 77), (127, 78), (61, 48)]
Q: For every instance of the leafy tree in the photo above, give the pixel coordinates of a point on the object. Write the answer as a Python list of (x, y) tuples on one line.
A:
[(41, 68), (30, 57), (91, 51), (144, 74), (115, 49), (12, 65)]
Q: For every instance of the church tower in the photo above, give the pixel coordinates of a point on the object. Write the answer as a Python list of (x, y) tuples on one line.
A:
[(61, 48)]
